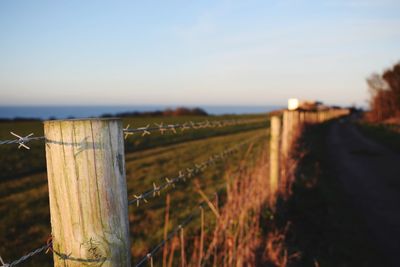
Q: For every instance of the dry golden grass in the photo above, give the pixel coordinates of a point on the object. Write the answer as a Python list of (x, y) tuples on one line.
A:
[(233, 236), (276, 253)]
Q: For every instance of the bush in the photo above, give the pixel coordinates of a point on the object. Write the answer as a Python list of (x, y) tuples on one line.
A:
[(385, 94)]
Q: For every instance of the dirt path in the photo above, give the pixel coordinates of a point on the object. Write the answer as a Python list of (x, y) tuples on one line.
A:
[(370, 173)]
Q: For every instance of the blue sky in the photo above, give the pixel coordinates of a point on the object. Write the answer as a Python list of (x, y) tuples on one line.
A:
[(193, 52)]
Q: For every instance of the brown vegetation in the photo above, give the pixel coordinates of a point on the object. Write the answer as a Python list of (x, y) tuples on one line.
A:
[(242, 231), (385, 94), (234, 239)]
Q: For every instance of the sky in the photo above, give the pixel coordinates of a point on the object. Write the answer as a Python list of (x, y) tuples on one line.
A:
[(193, 52)]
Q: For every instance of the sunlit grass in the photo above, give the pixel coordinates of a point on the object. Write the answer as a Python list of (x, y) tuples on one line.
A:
[(18, 162), (24, 200)]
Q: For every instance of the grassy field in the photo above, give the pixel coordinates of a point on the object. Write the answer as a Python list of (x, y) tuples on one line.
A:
[(24, 195), (15, 163)]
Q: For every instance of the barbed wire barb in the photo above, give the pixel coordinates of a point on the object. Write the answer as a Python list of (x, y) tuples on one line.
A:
[(126, 132), (185, 126), (156, 190), (161, 127), (2, 263), (22, 140), (172, 127), (194, 126), (145, 130), (138, 198), (169, 182)]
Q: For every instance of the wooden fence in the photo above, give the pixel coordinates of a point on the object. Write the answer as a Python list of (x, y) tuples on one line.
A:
[(285, 129), (88, 192)]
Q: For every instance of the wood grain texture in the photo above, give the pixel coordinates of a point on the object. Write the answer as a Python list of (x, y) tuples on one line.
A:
[(285, 133), (274, 156), (87, 190)]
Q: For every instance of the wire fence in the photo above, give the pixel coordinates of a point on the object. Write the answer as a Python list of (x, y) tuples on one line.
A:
[(26, 256), (146, 130), (188, 173), (22, 140), (183, 175), (156, 190), (163, 128)]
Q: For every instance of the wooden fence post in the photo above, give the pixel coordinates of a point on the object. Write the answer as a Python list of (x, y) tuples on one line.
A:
[(285, 133), (274, 155), (88, 195)]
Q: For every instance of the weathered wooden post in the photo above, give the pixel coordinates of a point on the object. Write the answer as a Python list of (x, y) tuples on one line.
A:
[(88, 195), (285, 133), (302, 117), (275, 131)]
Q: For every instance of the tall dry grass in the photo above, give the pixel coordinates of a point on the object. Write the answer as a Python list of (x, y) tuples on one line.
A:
[(235, 235), (235, 238)]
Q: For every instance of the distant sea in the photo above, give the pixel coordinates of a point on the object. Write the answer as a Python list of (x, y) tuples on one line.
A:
[(63, 112)]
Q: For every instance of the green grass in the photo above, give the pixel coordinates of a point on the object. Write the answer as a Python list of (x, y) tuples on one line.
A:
[(25, 223), (324, 227), (15, 163), (388, 135)]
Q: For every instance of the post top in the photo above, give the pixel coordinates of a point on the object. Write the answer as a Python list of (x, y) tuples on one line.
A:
[(83, 120)]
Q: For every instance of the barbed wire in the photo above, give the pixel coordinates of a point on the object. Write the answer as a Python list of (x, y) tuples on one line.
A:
[(162, 128), (154, 250), (49, 247), (187, 173), (26, 256), (22, 140), (146, 130), (189, 218), (183, 175)]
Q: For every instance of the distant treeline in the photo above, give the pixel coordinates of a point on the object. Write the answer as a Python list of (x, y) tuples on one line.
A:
[(19, 119), (180, 111)]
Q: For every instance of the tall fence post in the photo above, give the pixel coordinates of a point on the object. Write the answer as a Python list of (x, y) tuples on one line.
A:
[(275, 132), (285, 133), (88, 195)]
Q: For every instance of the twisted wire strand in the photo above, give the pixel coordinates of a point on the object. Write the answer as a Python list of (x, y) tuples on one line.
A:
[(22, 140), (26, 256), (147, 130), (17, 141), (188, 173)]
